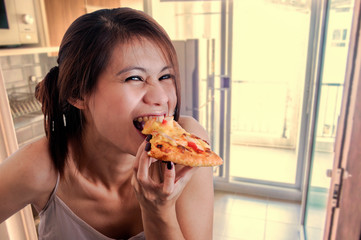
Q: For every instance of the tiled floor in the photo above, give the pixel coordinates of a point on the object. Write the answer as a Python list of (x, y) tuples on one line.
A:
[(238, 216), (263, 218)]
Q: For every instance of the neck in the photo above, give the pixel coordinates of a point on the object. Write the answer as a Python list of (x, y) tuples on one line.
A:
[(102, 164)]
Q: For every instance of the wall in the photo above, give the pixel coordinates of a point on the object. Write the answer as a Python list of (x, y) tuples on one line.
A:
[(21, 74)]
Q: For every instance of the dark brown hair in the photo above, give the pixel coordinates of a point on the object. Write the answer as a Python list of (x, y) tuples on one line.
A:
[(84, 53)]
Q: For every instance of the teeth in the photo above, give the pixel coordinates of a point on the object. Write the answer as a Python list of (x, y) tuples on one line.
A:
[(169, 118), (144, 119)]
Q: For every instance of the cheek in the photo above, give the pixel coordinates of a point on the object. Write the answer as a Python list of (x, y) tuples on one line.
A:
[(172, 96), (109, 112)]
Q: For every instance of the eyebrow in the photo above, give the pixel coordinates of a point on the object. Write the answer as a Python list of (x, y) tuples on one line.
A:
[(127, 69)]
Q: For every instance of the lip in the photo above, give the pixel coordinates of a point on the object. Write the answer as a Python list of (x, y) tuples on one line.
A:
[(150, 115)]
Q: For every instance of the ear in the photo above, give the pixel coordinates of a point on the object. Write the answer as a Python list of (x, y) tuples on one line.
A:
[(78, 103)]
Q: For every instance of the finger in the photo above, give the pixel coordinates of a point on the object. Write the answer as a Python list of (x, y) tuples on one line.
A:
[(137, 156), (168, 178), (148, 137), (148, 146), (143, 168), (135, 183)]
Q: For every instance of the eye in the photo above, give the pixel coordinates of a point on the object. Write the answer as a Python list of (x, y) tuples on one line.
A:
[(164, 77), (133, 78)]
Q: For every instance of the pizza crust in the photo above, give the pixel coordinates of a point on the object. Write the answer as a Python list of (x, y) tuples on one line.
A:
[(170, 142), (183, 156)]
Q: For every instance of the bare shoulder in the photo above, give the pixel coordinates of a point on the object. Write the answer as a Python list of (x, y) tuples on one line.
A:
[(30, 170), (26, 177), (191, 125)]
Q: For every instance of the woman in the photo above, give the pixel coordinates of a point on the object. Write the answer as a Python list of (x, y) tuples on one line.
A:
[(91, 177)]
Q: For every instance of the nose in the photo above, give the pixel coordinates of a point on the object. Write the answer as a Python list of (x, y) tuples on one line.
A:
[(155, 94)]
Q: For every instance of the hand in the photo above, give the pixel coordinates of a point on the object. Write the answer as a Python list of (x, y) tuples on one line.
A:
[(158, 185)]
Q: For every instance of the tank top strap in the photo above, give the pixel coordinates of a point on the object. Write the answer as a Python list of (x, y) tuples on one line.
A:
[(53, 193)]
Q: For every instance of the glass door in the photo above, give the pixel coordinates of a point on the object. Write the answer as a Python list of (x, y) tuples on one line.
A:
[(269, 64), (254, 84), (327, 110)]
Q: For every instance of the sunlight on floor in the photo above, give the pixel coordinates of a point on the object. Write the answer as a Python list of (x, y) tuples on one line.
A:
[(238, 216)]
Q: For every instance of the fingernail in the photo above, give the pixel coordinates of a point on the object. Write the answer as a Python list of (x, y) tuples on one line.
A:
[(169, 165), (148, 137), (148, 146)]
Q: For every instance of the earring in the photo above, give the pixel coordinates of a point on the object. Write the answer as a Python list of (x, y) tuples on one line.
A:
[(52, 126), (64, 120)]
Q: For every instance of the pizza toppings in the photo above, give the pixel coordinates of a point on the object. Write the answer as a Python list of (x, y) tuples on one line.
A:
[(193, 145), (170, 142)]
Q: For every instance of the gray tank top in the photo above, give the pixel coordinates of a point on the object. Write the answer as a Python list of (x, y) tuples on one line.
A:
[(58, 221)]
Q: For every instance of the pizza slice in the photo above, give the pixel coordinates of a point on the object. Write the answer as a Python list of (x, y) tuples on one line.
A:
[(170, 142)]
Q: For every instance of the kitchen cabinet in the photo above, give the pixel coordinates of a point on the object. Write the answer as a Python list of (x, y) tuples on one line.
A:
[(58, 15), (103, 3)]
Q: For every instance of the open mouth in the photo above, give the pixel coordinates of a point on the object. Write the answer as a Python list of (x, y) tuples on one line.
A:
[(139, 122)]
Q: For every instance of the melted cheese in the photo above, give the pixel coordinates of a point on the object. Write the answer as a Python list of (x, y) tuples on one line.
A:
[(171, 132)]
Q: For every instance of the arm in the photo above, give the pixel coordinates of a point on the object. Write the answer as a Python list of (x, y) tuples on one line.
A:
[(195, 204), (181, 207), (24, 179), (158, 198)]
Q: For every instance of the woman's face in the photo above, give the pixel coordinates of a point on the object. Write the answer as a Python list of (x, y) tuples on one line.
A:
[(137, 83)]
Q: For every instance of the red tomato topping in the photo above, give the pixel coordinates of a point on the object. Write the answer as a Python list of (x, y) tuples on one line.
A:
[(193, 145), (164, 121)]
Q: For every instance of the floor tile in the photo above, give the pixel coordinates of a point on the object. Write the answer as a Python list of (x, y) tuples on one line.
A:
[(315, 217), (244, 228), (243, 217), (218, 237), (219, 223), (247, 206), (223, 202), (281, 231), (313, 233), (283, 211)]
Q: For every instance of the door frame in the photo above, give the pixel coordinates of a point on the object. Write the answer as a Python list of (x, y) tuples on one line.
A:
[(343, 214), (316, 59)]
